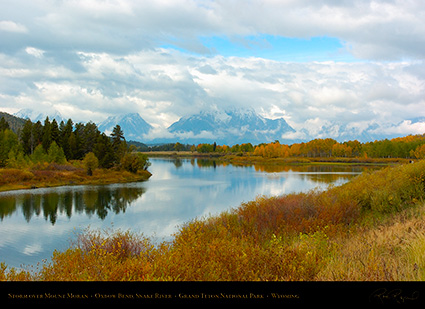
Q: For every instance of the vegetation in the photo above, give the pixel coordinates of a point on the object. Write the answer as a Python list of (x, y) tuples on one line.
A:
[(409, 147), (368, 229), (50, 155)]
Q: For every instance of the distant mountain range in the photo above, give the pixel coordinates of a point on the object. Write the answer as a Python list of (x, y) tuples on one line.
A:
[(135, 127), (232, 126), (35, 116)]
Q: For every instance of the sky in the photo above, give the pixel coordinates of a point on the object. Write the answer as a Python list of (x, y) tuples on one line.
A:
[(316, 63)]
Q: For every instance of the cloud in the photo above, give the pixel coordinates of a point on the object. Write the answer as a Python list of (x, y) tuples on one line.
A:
[(92, 59), (164, 85), (10, 26), (38, 53), (368, 29)]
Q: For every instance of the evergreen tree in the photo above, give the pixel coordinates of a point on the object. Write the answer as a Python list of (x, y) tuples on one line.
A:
[(54, 132), (39, 155), (117, 135), (65, 135), (47, 134), (77, 143), (119, 144), (4, 124), (104, 151), (37, 133), (27, 137), (8, 141), (89, 137), (72, 150), (55, 154)]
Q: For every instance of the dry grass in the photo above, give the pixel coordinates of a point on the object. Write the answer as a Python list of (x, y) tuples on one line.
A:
[(391, 251), (53, 175)]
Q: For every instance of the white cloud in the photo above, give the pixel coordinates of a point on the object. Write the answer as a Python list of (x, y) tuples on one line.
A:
[(38, 53), (165, 85), (91, 59), (406, 127), (10, 26)]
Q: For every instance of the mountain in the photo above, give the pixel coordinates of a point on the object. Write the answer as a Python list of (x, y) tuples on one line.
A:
[(15, 123), (134, 126), (35, 116), (234, 126), (339, 131)]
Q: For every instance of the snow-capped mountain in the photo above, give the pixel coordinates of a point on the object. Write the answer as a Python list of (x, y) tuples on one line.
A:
[(35, 116), (134, 126), (229, 127)]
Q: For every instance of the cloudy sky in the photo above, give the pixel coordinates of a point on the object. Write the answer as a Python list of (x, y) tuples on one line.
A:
[(314, 62)]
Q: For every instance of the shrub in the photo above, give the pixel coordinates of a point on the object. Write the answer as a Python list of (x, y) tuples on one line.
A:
[(134, 162), (14, 175), (55, 154), (90, 163)]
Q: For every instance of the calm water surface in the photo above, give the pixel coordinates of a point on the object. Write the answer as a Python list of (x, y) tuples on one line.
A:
[(36, 222)]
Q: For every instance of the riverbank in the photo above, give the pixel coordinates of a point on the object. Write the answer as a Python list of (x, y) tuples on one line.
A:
[(370, 229), (54, 175), (248, 158)]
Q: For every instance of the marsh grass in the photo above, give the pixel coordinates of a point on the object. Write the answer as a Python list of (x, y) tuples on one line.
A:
[(371, 228), (53, 175)]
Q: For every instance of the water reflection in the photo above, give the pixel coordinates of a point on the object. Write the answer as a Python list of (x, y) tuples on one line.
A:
[(36, 222), (91, 200), (101, 200)]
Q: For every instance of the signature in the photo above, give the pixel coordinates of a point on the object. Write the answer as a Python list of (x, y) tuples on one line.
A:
[(394, 295)]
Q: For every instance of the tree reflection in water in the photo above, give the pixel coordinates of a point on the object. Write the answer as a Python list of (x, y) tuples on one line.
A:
[(91, 200)]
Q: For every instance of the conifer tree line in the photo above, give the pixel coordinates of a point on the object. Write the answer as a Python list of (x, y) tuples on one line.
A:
[(58, 143)]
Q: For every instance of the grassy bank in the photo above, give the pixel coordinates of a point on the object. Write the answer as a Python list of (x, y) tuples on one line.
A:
[(248, 158), (53, 175), (182, 154), (371, 228)]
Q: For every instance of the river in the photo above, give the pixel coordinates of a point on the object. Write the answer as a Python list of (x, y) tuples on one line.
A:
[(36, 222)]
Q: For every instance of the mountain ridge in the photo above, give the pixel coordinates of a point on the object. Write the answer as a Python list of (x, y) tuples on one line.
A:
[(35, 116), (230, 126), (133, 125), (237, 126)]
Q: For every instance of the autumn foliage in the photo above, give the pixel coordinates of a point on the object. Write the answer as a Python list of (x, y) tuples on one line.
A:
[(368, 229), (412, 146)]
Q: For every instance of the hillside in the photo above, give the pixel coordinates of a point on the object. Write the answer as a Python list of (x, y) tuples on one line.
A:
[(15, 123)]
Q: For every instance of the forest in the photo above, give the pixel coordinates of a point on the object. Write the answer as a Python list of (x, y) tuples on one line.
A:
[(50, 142), (409, 147)]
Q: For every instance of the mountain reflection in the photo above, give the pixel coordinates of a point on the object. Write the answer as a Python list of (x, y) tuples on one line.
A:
[(97, 200)]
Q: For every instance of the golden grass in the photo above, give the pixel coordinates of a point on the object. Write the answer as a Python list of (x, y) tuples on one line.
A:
[(53, 175), (394, 250)]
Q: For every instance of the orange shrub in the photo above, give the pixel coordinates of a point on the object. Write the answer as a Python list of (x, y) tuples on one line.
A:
[(12, 175)]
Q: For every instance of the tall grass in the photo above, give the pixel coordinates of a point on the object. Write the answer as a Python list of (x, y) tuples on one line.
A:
[(371, 228)]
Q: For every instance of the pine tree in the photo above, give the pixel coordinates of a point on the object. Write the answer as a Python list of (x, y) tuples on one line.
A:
[(27, 137), (4, 124), (54, 132), (55, 154), (47, 134), (37, 133), (104, 151), (39, 155), (65, 135), (118, 143), (8, 141)]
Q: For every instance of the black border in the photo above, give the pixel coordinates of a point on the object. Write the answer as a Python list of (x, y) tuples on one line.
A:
[(277, 293)]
